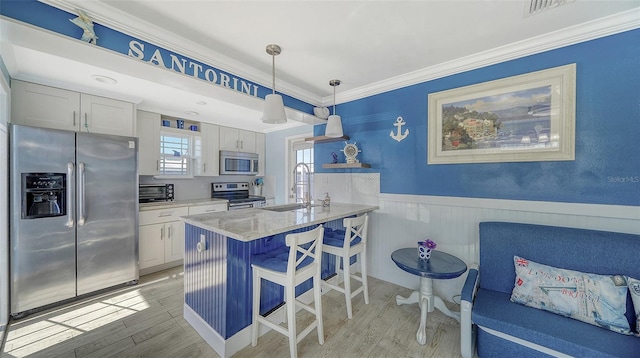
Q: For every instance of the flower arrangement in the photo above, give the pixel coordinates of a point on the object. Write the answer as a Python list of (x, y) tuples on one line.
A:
[(425, 247), (428, 243)]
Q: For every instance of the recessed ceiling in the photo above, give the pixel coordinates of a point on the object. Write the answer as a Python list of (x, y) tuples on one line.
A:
[(366, 44)]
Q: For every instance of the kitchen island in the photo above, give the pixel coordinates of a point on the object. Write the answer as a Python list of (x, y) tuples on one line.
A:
[(217, 265)]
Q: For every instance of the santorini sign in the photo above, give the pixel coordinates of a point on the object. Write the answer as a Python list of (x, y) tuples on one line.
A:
[(186, 66)]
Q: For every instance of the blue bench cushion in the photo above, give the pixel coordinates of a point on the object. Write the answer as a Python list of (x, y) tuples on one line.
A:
[(494, 310), (278, 259)]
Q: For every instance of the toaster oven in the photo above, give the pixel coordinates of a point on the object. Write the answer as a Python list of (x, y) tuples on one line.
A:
[(155, 192)]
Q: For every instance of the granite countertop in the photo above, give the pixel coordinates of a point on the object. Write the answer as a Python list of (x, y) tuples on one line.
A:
[(179, 203), (251, 224)]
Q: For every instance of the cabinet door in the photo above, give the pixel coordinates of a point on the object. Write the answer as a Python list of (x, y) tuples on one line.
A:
[(210, 146), (229, 139), (148, 131), (174, 242), (247, 141), (106, 116), (261, 150), (151, 245), (44, 106)]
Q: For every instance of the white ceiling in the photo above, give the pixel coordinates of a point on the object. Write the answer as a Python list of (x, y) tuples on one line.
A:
[(371, 46)]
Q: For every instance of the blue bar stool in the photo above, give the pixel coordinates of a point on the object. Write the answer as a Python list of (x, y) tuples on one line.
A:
[(289, 267), (353, 243)]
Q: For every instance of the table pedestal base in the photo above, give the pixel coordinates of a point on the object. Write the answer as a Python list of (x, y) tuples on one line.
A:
[(427, 302)]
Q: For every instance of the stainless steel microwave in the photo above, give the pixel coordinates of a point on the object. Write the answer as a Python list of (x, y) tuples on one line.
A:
[(238, 163), (155, 192)]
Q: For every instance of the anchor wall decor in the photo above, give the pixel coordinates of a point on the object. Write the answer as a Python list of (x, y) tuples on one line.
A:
[(399, 135)]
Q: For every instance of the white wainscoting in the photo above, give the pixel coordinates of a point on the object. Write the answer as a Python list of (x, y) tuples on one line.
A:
[(452, 222)]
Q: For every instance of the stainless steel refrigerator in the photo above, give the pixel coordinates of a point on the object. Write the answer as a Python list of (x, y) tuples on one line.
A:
[(74, 214)]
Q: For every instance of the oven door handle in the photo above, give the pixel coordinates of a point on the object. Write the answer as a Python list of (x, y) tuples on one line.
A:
[(240, 206)]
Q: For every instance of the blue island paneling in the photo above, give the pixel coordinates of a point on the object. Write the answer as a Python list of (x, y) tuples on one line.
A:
[(218, 281)]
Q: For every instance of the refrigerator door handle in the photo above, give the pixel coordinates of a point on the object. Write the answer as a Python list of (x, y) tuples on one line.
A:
[(69, 195), (81, 218)]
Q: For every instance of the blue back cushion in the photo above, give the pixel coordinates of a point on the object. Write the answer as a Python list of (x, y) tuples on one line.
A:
[(600, 252)]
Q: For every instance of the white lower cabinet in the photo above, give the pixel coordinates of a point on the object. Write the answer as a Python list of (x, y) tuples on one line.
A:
[(161, 236)]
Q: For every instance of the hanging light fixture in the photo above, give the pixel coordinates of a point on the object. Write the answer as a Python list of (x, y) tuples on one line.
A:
[(334, 123), (273, 105)]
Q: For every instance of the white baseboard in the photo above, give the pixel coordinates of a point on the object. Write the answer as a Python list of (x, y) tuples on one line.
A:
[(228, 347)]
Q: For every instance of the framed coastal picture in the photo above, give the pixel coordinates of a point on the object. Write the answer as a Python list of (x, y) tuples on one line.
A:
[(530, 117)]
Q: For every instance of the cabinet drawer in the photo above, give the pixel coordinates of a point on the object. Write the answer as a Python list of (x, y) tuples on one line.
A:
[(203, 209), (148, 217)]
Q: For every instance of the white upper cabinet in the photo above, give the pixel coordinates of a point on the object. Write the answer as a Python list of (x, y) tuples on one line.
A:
[(43, 106), (247, 141), (209, 160), (237, 140), (148, 130), (106, 116), (49, 107)]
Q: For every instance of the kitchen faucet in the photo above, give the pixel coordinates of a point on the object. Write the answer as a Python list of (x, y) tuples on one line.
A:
[(307, 195)]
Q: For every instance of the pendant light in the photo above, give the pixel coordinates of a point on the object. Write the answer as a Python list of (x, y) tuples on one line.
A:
[(334, 123), (273, 105)]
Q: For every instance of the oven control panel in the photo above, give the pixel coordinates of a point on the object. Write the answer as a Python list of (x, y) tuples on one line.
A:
[(230, 186)]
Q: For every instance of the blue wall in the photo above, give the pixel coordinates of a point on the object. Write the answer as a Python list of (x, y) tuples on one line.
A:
[(607, 165)]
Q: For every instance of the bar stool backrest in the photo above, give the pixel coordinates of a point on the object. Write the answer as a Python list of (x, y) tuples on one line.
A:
[(356, 228), (304, 246)]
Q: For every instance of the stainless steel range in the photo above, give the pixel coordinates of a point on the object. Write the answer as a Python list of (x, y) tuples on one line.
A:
[(237, 194)]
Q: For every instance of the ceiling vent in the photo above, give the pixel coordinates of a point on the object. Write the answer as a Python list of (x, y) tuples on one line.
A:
[(533, 7)]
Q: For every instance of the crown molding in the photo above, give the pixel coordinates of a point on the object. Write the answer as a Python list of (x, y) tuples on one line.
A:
[(105, 15), (610, 25)]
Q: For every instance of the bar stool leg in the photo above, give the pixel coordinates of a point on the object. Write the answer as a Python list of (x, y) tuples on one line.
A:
[(318, 307), (346, 270), (363, 273), (256, 310), (291, 318)]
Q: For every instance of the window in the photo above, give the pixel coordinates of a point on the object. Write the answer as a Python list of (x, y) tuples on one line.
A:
[(177, 154), (302, 153)]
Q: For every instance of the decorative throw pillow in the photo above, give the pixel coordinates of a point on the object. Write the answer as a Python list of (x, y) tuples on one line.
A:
[(634, 289), (596, 299)]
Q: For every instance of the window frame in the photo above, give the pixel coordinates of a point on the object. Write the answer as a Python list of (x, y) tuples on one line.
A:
[(189, 158)]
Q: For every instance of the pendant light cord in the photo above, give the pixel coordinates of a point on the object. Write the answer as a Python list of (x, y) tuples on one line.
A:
[(273, 71), (334, 100), (334, 83)]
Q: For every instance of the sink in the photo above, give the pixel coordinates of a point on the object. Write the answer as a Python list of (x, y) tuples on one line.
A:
[(288, 207)]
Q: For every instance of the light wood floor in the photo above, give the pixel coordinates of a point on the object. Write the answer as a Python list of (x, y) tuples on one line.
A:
[(145, 320)]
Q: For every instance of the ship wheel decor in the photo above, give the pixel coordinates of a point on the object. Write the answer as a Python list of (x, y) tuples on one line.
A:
[(350, 152)]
